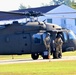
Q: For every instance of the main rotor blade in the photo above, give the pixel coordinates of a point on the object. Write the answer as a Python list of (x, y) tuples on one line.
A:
[(62, 17), (4, 15), (61, 13), (15, 13), (18, 15)]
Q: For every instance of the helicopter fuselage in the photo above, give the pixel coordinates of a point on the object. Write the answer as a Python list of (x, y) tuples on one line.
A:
[(17, 38)]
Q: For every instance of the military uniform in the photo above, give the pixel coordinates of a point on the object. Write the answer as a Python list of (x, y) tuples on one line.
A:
[(47, 45), (47, 42), (58, 46)]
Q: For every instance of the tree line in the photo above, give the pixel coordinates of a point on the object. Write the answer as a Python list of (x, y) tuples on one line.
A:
[(70, 3)]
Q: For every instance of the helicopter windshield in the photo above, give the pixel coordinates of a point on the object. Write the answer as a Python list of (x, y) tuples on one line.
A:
[(72, 35), (65, 36)]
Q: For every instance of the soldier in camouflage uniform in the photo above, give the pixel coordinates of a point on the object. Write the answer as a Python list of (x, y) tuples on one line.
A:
[(58, 46), (47, 44), (47, 41)]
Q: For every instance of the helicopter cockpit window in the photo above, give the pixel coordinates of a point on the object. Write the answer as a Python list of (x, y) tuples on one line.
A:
[(72, 35), (37, 38), (65, 36)]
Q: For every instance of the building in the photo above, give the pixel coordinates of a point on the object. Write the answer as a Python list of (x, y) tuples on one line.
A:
[(58, 14), (62, 15)]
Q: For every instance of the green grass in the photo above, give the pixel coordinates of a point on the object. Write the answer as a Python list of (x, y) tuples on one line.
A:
[(70, 53), (40, 68)]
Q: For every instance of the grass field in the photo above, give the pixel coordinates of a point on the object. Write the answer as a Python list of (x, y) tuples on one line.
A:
[(39, 68), (70, 53)]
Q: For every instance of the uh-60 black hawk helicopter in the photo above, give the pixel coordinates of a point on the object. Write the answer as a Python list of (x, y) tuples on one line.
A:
[(28, 37)]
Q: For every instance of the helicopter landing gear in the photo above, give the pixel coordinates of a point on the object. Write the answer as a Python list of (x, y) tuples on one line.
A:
[(35, 56)]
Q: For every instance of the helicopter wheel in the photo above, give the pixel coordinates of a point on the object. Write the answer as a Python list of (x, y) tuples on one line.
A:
[(35, 56)]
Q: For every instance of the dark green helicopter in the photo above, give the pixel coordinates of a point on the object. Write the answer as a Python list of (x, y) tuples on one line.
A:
[(28, 38)]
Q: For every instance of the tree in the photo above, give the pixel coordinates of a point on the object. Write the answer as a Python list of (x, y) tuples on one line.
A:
[(59, 2), (67, 2), (70, 3), (22, 6), (73, 4)]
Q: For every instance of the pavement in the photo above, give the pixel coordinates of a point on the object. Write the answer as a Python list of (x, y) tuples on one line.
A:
[(13, 61)]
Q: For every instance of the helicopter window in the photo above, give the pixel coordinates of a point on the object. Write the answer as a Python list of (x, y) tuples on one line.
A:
[(49, 20), (37, 38), (71, 35), (65, 36)]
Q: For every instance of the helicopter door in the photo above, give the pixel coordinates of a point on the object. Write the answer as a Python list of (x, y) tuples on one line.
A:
[(17, 44), (37, 43)]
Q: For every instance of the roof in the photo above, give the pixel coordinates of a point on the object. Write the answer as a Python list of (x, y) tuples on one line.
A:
[(7, 16), (43, 9)]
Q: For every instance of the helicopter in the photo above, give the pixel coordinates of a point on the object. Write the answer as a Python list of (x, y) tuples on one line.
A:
[(28, 38)]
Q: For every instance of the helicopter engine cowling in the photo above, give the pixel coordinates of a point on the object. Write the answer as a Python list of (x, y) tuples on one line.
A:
[(52, 27)]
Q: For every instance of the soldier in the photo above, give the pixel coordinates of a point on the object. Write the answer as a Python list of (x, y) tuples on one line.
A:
[(47, 41), (58, 46), (47, 44)]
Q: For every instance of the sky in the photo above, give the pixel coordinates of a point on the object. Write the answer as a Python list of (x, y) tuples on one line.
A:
[(8, 5)]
